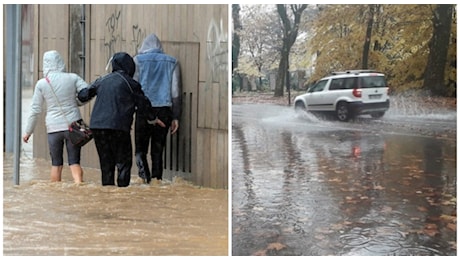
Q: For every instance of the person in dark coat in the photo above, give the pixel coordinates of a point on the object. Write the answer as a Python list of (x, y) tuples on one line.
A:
[(119, 96)]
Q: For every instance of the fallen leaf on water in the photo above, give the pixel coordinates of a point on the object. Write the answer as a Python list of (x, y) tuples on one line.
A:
[(431, 232), (431, 226), (336, 226), (378, 187), (433, 218), (320, 237), (432, 202), (406, 183), (260, 253), (452, 226), (448, 218), (422, 209), (449, 202), (276, 246), (387, 209), (431, 229)]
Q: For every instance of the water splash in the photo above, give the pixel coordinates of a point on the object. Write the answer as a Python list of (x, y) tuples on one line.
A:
[(402, 106)]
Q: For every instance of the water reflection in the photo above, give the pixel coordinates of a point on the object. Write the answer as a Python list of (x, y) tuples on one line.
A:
[(173, 218), (328, 191)]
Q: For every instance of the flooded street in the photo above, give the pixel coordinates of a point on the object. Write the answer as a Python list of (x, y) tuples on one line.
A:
[(172, 218), (161, 219), (307, 186)]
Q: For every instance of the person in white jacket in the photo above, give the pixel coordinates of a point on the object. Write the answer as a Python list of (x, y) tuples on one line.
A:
[(58, 89)]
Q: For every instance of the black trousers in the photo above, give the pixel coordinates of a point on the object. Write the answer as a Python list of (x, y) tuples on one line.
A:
[(115, 152), (155, 136)]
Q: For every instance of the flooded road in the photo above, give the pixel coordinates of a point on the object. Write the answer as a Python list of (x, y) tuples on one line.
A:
[(171, 218), (44, 218), (305, 186)]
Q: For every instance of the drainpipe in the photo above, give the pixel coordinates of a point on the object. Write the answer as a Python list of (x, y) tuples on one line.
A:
[(83, 40), (13, 85)]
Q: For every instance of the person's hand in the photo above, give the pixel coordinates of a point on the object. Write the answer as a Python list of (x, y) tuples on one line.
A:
[(174, 126), (25, 138), (156, 122)]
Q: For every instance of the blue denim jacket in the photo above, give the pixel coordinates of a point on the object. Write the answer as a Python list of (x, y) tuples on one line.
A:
[(156, 71), (159, 75)]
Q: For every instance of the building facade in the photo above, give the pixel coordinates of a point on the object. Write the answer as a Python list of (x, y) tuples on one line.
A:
[(197, 35)]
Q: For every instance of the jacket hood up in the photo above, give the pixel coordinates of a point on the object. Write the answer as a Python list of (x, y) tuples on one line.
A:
[(123, 61), (150, 43), (52, 61)]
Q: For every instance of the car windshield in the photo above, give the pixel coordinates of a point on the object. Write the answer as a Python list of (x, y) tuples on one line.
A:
[(373, 82), (318, 86)]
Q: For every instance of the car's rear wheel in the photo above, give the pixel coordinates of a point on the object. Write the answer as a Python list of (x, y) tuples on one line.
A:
[(377, 114), (342, 112)]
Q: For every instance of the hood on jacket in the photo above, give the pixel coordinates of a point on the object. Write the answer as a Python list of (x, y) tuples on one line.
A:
[(52, 61), (123, 61), (150, 43)]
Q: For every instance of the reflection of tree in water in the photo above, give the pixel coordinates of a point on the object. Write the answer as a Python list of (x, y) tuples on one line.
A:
[(240, 139), (295, 164), (293, 213), (244, 216)]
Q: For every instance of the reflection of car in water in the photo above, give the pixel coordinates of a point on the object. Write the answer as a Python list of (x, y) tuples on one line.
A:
[(369, 153), (354, 149), (347, 94)]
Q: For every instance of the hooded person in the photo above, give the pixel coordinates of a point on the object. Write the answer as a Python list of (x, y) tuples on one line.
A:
[(119, 97), (58, 89), (159, 76)]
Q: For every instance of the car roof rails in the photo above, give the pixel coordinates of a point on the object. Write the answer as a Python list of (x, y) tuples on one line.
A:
[(352, 72)]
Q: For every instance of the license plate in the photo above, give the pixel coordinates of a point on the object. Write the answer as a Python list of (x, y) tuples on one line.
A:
[(376, 96)]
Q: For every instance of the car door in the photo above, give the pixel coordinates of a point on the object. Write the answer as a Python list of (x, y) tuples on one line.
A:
[(315, 97), (339, 89)]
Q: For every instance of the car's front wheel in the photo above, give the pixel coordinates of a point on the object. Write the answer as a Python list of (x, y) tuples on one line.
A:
[(299, 106), (342, 112)]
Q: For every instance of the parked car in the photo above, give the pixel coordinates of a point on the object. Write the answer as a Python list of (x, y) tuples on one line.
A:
[(347, 94)]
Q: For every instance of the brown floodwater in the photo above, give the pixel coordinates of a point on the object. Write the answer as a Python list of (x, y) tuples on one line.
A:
[(168, 218)]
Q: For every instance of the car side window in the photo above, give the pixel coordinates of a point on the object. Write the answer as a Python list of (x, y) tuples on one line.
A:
[(350, 83), (318, 86), (337, 84), (373, 82)]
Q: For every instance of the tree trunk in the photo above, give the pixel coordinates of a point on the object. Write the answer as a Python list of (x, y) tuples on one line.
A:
[(439, 45), (367, 40), (289, 37), (281, 75), (288, 81), (236, 37)]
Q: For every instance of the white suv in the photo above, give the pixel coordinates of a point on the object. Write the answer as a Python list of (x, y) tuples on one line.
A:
[(347, 94)]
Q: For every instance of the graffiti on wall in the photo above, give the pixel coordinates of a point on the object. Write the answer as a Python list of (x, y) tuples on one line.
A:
[(217, 52), (138, 36), (112, 37)]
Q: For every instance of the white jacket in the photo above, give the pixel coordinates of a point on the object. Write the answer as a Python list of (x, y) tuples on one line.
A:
[(66, 87)]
